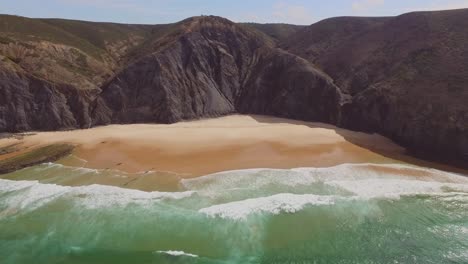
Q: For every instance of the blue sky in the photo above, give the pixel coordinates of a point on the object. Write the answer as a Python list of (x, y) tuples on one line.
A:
[(167, 11)]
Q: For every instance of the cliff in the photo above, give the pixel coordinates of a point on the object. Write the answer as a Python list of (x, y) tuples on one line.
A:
[(404, 77), (407, 76)]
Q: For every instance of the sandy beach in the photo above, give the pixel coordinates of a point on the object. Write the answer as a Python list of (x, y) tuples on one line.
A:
[(206, 146)]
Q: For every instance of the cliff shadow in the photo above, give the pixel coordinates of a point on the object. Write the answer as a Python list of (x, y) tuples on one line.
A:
[(361, 139)]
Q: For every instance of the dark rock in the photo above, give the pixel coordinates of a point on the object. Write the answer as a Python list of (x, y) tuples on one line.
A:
[(213, 68), (28, 103), (285, 85), (404, 77), (408, 76)]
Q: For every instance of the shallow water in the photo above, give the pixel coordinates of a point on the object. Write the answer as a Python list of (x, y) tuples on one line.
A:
[(342, 214)]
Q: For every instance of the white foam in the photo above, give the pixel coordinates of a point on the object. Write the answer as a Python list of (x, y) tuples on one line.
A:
[(360, 189), (276, 204), (345, 181), (375, 188), (348, 182), (351, 171), (29, 195), (32, 194), (11, 186), (102, 196), (177, 253), (248, 179), (258, 178)]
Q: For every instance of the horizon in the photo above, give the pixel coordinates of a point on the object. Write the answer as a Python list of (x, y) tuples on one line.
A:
[(296, 12)]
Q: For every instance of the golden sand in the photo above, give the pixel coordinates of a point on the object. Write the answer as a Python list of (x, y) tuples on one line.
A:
[(228, 143)]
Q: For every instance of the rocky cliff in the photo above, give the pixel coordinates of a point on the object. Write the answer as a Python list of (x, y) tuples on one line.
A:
[(31, 103), (404, 77), (407, 75), (210, 66)]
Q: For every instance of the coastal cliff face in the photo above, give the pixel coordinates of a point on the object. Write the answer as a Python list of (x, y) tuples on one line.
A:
[(404, 77), (284, 85), (209, 67), (29, 103), (52, 69), (196, 71), (407, 76)]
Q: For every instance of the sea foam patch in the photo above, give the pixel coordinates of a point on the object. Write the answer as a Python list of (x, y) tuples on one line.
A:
[(32, 194), (375, 188), (355, 207), (234, 193), (248, 179), (177, 253), (347, 182), (276, 204), (258, 178)]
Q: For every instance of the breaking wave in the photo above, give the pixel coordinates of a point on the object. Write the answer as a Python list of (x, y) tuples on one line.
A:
[(351, 213)]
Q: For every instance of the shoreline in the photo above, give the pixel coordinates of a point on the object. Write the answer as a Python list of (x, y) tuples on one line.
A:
[(207, 146), (168, 182)]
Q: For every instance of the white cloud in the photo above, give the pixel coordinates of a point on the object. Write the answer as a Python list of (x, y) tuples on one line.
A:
[(293, 14), (366, 5)]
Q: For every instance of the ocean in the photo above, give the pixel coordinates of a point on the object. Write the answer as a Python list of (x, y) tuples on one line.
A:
[(351, 213)]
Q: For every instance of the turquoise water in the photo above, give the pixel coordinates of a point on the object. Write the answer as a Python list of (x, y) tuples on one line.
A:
[(343, 214)]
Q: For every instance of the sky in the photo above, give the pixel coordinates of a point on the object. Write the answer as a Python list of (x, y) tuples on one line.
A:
[(301, 12)]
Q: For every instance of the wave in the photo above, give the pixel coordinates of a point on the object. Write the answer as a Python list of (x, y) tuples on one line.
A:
[(276, 204), (292, 203), (254, 178), (368, 213), (237, 194), (32, 194), (395, 188), (348, 182)]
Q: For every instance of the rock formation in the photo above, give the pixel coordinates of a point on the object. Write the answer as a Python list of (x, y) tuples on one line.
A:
[(404, 77), (407, 75)]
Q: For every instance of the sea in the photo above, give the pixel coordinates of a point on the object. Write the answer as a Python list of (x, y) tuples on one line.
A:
[(350, 213)]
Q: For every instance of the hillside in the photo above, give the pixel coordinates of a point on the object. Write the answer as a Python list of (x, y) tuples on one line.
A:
[(51, 69), (319, 40), (83, 54), (404, 77), (210, 66), (408, 75), (279, 32)]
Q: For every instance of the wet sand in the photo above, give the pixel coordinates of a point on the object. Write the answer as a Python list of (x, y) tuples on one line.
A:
[(206, 146)]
